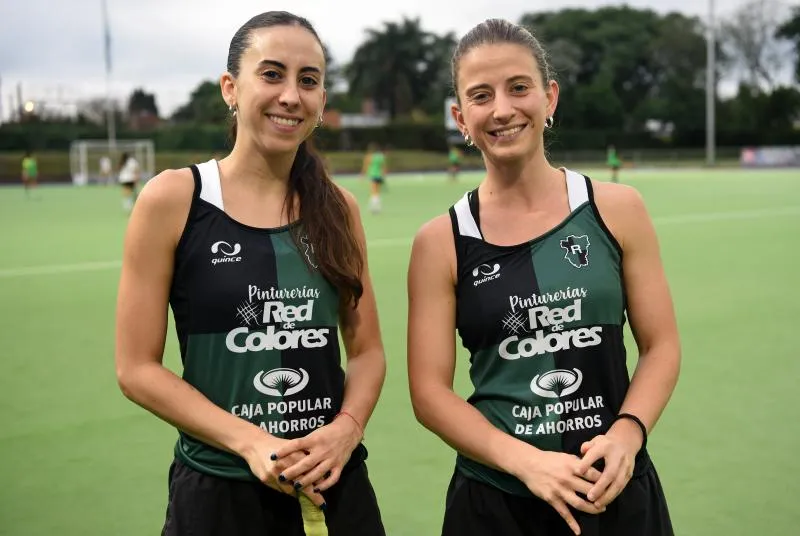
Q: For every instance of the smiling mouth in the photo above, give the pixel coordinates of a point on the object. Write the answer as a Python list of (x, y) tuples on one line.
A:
[(505, 132), (283, 121)]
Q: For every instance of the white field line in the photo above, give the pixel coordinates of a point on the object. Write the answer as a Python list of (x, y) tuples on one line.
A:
[(393, 242)]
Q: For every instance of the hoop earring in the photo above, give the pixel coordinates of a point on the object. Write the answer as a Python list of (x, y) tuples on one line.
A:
[(232, 110), (549, 122), (319, 122), (468, 140)]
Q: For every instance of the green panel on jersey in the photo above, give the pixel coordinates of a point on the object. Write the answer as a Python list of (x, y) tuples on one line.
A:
[(581, 262), (294, 274), (503, 385), (217, 375), (211, 365)]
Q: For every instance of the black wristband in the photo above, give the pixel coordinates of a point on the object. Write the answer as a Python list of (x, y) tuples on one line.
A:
[(638, 421)]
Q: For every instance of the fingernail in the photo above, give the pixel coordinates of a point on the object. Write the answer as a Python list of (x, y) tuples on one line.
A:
[(298, 485), (316, 490), (273, 456), (323, 507), (281, 477)]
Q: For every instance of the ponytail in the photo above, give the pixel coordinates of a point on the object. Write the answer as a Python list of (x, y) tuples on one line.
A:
[(327, 223)]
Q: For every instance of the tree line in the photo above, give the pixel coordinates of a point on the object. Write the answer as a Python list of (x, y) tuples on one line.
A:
[(620, 69)]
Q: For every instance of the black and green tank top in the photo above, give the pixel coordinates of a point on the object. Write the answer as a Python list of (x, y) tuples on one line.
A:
[(543, 322), (256, 324)]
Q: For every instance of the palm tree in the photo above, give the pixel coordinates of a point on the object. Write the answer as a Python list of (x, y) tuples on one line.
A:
[(399, 65)]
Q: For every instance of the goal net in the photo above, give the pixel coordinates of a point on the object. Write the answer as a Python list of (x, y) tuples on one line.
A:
[(97, 161)]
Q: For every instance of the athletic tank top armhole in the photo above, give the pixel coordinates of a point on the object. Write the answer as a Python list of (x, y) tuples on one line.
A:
[(457, 244), (198, 187), (463, 212), (474, 208), (454, 223), (463, 220), (599, 218)]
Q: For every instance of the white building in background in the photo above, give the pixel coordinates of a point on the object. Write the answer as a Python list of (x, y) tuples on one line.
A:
[(363, 120)]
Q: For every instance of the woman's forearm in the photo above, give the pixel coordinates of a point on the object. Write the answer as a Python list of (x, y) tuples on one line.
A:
[(164, 394), (363, 382), (465, 429)]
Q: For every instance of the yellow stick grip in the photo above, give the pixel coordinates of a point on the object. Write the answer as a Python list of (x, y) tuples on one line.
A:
[(313, 517)]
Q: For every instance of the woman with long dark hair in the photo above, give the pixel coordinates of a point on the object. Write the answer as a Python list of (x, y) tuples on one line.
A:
[(262, 259)]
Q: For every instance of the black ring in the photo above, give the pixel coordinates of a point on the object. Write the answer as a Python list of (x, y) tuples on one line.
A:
[(639, 422)]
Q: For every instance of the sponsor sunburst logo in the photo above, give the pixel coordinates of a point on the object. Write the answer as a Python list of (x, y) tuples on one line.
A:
[(281, 381), (557, 383)]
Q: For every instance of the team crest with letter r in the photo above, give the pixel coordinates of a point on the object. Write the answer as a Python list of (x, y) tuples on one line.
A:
[(577, 250)]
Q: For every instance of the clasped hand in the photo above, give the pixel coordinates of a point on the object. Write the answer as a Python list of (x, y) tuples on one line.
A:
[(564, 480), (324, 451)]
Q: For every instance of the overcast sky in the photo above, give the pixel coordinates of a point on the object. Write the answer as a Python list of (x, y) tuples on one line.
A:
[(55, 48)]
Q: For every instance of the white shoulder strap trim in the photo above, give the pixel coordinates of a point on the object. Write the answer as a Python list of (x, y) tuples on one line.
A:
[(576, 189), (212, 189), (466, 223)]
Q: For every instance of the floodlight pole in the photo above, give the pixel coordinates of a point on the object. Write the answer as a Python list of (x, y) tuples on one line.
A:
[(110, 117), (711, 89)]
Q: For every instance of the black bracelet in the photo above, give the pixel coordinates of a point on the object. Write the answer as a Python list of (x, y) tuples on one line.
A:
[(638, 421)]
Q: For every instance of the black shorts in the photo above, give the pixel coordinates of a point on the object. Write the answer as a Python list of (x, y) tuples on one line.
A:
[(205, 505), (477, 509), (377, 180)]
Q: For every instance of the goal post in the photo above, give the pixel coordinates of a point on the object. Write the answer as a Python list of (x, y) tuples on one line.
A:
[(97, 161)]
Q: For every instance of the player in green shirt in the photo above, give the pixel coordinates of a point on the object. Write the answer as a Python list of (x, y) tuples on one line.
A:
[(614, 163), (455, 162), (375, 169), (30, 172)]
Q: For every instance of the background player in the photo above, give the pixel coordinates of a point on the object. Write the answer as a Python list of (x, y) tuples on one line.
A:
[(375, 169), (30, 173)]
